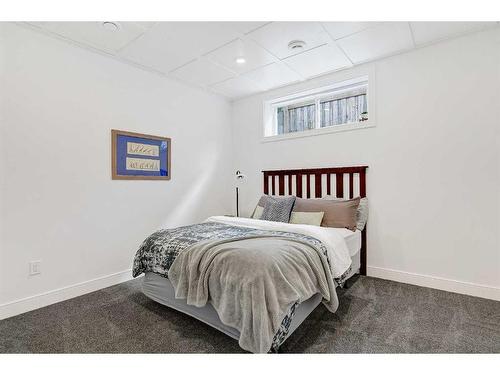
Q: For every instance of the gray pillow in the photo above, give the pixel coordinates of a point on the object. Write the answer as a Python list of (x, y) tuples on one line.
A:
[(362, 214), (278, 208)]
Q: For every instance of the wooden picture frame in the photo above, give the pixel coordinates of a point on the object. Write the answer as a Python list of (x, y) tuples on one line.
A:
[(136, 156)]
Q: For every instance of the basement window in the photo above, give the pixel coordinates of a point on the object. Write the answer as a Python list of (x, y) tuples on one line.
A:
[(341, 106)]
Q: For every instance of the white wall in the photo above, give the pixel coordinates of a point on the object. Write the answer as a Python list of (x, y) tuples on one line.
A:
[(433, 181), (58, 202), (434, 175)]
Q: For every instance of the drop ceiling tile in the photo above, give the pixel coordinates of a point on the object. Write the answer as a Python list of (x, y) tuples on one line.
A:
[(94, 34), (339, 30), (255, 55), (202, 72), (276, 36), (236, 87), (318, 61), (378, 41), (428, 32), (273, 75), (146, 24), (246, 27), (168, 45)]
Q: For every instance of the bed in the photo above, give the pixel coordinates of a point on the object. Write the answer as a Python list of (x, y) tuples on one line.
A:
[(344, 250)]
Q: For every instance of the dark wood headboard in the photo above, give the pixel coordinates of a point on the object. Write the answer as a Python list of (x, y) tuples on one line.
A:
[(348, 182)]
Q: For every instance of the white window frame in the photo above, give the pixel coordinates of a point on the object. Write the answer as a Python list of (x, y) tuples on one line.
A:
[(316, 94)]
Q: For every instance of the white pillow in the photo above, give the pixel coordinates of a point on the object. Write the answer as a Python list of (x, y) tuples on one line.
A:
[(361, 213), (257, 213)]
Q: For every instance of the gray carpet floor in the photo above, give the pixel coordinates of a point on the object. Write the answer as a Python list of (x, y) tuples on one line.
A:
[(375, 316)]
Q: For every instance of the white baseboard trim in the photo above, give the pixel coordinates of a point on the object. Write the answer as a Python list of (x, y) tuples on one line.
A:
[(48, 298), (57, 295), (462, 287)]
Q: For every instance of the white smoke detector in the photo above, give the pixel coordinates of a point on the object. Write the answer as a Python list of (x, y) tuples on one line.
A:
[(296, 45), (110, 26)]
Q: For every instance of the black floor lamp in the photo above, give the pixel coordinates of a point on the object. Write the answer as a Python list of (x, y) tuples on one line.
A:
[(239, 180)]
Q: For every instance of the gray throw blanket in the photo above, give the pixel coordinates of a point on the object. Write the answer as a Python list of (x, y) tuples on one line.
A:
[(253, 280), (159, 251)]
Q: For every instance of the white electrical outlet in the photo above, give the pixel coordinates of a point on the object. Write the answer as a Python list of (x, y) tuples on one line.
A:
[(35, 267)]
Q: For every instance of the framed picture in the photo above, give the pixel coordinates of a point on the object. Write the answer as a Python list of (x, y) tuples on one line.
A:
[(138, 156)]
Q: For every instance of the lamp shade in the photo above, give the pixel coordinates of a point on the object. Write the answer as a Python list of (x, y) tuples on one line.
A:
[(240, 177)]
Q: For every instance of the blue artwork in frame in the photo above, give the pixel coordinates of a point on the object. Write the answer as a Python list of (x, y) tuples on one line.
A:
[(140, 156)]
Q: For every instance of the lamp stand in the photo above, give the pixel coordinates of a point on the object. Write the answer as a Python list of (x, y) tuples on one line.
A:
[(237, 202)]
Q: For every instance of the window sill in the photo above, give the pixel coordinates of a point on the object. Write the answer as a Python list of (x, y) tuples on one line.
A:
[(322, 131)]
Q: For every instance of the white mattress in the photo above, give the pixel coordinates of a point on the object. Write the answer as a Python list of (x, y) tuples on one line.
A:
[(352, 240)]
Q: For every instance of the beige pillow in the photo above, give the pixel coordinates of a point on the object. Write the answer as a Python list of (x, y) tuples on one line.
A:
[(337, 214), (361, 213), (259, 209), (309, 218)]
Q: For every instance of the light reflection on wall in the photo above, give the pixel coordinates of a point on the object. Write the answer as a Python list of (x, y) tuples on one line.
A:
[(195, 192)]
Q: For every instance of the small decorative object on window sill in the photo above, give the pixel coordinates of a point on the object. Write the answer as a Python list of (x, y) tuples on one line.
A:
[(240, 177), (364, 116)]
